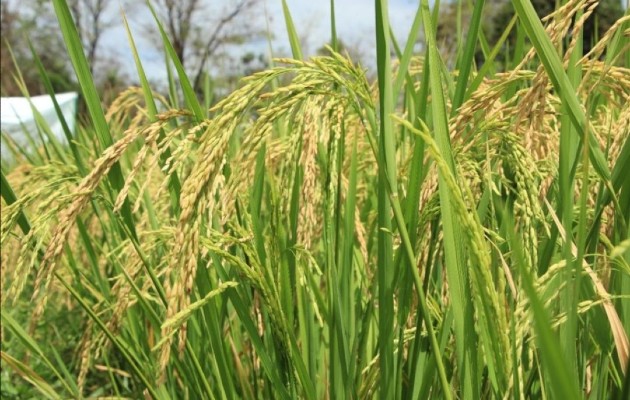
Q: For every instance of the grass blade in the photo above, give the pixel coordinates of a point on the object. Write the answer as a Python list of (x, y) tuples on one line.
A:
[(294, 39), (90, 95), (189, 93), (553, 66), (456, 270)]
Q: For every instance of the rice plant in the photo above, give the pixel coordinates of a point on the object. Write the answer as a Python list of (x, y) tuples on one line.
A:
[(435, 233)]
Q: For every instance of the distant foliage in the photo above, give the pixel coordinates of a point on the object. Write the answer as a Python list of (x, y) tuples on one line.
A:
[(604, 16)]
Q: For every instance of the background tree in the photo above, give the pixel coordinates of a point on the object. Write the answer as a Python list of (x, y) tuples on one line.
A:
[(198, 29), (31, 20), (8, 27), (605, 15), (497, 15), (89, 17), (36, 21)]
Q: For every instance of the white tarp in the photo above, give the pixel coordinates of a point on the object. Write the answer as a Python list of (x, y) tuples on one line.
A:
[(17, 115)]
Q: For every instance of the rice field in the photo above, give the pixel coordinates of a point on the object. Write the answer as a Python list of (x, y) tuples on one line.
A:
[(438, 232)]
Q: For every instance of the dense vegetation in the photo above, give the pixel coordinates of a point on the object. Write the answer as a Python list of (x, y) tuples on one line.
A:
[(437, 233)]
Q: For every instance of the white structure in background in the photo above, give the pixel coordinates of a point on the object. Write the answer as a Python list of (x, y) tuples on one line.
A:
[(17, 115)]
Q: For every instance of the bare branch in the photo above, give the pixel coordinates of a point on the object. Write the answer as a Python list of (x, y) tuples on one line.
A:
[(197, 29)]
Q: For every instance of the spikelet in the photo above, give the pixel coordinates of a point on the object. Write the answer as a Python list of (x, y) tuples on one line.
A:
[(307, 214), (82, 195)]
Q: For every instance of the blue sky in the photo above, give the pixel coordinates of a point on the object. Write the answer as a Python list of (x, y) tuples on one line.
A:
[(355, 25)]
